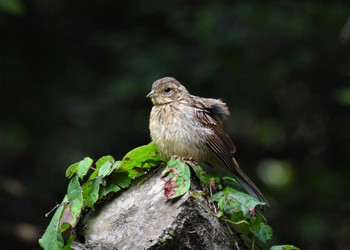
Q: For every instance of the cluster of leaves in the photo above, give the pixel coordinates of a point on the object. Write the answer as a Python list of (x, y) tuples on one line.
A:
[(89, 184), (238, 208)]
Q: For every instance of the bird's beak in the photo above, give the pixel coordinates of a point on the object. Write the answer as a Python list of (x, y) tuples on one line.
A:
[(151, 94)]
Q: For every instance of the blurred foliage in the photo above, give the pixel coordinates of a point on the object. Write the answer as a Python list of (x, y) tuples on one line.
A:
[(14, 7), (74, 76)]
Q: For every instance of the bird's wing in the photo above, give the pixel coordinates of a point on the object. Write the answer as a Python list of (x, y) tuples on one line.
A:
[(219, 142), (210, 114)]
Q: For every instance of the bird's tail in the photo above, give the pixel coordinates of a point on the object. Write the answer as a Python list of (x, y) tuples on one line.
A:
[(247, 184)]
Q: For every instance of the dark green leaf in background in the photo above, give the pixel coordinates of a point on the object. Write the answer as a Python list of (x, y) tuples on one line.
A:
[(12, 6)]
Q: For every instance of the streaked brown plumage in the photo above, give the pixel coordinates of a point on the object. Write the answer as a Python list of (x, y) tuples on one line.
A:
[(191, 126)]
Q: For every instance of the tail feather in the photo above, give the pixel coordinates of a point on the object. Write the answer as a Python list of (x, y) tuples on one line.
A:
[(247, 184)]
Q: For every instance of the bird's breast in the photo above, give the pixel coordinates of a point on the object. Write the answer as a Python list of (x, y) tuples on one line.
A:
[(176, 131)]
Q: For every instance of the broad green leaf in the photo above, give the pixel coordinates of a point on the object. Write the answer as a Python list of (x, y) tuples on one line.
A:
[(177, 178), (52, 238), (75, 199), (116, 165), (106, 169), (72, 169), (226, 203), (262, 231), (83, 167), (114, 183), (108, 188), (103, 160), (136, 161), (86, 187), (104, 165), (93, 195), (100, 162), (284, 247), (236, 201)]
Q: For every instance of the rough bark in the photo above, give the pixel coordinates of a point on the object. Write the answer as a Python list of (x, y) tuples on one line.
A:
[(142, 218)]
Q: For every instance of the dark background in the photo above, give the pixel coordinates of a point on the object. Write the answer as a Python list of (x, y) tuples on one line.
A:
[(74, 76)]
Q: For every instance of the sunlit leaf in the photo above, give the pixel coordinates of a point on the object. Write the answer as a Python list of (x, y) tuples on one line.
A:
[(138, 160), (103, 160), (72, 169), (104, 165), (105, 168), (83, 167)]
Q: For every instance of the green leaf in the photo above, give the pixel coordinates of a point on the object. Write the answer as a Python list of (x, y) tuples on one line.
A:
[(108, 188), (284, 247), (177, 178), (103, 160), (122, 180), (200, 173), (140, 159), (105, 169), (75, 204), (91, 198), (262, 231), (235, 201), (69, 242), (342, 96), (104, 165), (52, 238), (241, 223), (72, 169), (83, 167)]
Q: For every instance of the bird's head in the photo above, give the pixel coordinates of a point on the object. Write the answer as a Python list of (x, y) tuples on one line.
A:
[(167, 90)]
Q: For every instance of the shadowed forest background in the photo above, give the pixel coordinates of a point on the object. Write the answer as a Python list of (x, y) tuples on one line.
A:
[(74, 76)]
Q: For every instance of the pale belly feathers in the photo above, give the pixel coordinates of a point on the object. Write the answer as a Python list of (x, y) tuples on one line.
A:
[(178, 134)]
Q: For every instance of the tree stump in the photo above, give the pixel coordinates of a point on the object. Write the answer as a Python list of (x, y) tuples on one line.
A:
[(142, 218)]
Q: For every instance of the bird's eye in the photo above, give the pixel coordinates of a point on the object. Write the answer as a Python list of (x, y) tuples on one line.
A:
[(167, 90)]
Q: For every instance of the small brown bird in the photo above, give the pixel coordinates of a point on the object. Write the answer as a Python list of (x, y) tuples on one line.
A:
[(191, 126)]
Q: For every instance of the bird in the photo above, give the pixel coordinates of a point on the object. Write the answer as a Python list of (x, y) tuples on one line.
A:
[(192, 127)]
